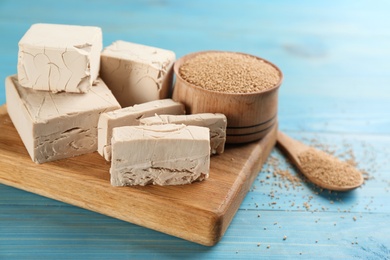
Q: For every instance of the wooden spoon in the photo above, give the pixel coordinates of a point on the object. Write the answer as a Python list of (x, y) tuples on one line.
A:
[(319, 167)]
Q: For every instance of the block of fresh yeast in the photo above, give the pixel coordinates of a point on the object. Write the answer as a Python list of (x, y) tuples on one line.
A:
[(56, 57), (137, 73), (129, 116), (56, 126), (215, 122), (159, 154)]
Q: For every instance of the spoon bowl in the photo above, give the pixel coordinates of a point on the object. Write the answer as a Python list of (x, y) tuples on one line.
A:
[(320, 168)]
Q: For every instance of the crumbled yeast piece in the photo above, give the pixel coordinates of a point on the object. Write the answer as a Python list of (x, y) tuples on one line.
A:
[(215, 122), (56, 57), (57, 126), (159, 154), (137, 73), (129, 116)]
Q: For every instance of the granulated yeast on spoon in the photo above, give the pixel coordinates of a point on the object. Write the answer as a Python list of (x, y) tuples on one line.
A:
[(321, 168)]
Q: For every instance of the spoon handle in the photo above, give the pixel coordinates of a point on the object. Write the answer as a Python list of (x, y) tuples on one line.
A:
[(291, 147)]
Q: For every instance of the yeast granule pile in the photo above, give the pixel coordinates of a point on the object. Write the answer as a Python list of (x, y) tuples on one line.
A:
[(229, 72), (329, 169)]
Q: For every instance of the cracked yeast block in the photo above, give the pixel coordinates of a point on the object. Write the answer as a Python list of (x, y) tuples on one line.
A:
[(137, 73), (213, 121), (159, 154), (58, 58), (56, 126), (129, 116)]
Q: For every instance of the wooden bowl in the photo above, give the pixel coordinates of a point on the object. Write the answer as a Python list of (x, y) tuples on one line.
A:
[(250, 116)]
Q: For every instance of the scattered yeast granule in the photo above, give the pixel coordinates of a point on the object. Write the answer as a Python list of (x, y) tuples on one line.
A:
[(283, 174), (329, 169), (229, 72)]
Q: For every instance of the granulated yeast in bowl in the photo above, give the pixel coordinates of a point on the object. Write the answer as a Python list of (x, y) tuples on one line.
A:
[(241, 86), (230, 72), (329, 169)]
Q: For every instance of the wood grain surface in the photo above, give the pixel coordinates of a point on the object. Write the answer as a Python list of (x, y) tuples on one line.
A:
[(200, 212)]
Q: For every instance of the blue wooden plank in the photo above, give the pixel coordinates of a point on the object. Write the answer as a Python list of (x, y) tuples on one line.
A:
[(79, 233), (273, 192)]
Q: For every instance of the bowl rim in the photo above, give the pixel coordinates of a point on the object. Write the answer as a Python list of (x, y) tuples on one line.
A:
[(191, 55)]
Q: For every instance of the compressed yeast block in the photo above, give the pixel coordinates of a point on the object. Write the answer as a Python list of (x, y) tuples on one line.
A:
[(168, 154), (56, 126), (57, 57), (215, 122), (129, 116), (137, 73)]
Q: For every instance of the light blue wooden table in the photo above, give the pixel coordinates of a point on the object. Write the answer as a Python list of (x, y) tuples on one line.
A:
[(335, 56)]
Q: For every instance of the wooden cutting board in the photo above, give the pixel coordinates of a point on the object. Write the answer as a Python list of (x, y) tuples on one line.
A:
[(200, 212)]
